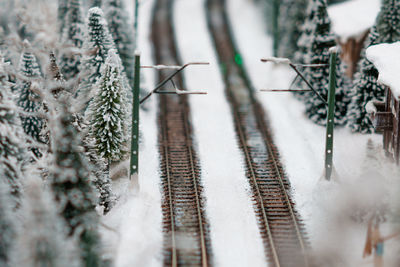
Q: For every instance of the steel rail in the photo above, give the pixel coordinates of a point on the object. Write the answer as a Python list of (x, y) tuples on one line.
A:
[(268, 143), (253, 177), (229, 69), (171, 210), (196, 189), (163, 29)]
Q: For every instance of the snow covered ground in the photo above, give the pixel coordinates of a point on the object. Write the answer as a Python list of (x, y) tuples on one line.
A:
[(235, 237), (325, 207), (132, 230)]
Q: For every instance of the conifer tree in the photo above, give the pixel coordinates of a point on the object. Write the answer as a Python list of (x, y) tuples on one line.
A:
[(366, 89), (97, 43), (388, 21), (292, 15), (318, 52), (386, 30), (42, 238), (122, 34), (12, 139), (7, 224), (71, 183), (101, 175), (72, 36), (107, 111), (28, 100), (96, 3), (61, 12), (55, 87), (302, 56)]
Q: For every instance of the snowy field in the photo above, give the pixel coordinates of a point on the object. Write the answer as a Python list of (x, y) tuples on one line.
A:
[(134, 235)]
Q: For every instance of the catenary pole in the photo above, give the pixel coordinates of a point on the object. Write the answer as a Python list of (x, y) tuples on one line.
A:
[(134, 162), (331, 114)]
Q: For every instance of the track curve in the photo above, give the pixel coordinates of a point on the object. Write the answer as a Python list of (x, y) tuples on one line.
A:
[(280, 226)]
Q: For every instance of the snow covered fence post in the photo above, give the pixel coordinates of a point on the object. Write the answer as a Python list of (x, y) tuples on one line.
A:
[(134, 163), (331, 113)]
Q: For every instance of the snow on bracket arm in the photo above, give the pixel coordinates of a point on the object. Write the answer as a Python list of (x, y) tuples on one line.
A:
[(173, 67), (177, 69), (183, 92), (277, 60)]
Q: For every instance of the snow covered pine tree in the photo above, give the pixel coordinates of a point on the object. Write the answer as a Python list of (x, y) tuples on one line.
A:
[(72, 37), (72, 186), (366, 89), (55, 87), (292, 15), (95, 3), (122, 34), (12, 139), (301, 56), (318, 52), (42, 239), (107, 111), (28, 100), (97, 43), (386, 30), (7, 224), (61, 12)]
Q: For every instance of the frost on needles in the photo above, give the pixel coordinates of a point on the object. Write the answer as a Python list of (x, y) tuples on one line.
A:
[(319, 44), (7, 224), (12, 139), (107, 111), (72, 36), (386, 30), (97, 43), (122, 33), (71, 182), (27, 99)]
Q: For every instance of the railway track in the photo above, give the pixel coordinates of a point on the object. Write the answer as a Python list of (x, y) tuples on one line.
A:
[(279, 223), (186, 234)]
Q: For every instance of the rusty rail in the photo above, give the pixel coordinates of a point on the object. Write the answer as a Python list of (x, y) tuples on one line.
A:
[(186, 234), (279, 223)]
